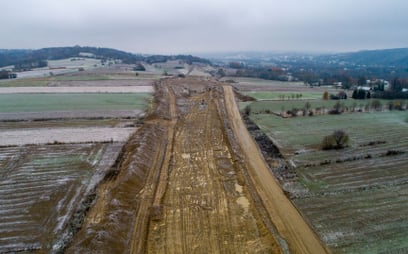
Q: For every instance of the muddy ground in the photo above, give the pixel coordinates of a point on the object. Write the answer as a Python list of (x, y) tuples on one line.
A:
[(192, 180)]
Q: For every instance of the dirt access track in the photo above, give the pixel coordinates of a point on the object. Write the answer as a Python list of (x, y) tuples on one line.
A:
[(192, 180)]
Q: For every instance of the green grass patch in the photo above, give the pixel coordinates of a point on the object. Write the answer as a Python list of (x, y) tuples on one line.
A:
[(66, 160), (313, 186), (242, 105), (60, 102)]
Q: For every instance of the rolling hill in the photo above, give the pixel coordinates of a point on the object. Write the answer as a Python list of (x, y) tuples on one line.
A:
[(38, 58)]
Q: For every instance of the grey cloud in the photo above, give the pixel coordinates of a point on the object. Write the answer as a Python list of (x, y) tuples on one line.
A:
[(181, 26)]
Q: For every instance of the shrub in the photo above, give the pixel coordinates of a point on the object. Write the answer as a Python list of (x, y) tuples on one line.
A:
[(337, 140), (376, 105), (247, 110), (293, 112), (337, 109)]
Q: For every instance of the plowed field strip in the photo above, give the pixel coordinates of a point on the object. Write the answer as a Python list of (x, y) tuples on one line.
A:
[(35, 202), (288, 221)]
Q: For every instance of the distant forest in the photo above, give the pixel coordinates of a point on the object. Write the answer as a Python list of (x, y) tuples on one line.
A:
[(27, 59)]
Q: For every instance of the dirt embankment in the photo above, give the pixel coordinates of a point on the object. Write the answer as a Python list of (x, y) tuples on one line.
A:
[(123, 201), (286, 218), (183, 186)]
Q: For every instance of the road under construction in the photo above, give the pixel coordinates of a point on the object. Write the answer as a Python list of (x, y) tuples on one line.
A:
[(192, 180)]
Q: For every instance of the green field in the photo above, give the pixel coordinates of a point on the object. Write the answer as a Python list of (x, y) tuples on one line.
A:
[(73, 123), (96, 77), (279, 106), (284, 95), (299, 133), (355, 198), (60, 102)]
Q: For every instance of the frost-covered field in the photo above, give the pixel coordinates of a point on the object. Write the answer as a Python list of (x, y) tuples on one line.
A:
[(355, 198), (64, 135), (41, 189)]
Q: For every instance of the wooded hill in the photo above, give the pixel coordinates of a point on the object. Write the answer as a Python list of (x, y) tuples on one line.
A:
[(384, 57), (38, 58)]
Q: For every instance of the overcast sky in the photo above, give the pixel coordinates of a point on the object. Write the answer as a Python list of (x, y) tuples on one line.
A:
[(193, 26)]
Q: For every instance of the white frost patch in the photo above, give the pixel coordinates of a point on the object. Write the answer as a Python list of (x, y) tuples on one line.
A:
[(292, 163), (63, 219), (64, 135), (78, 89), (332, 236)]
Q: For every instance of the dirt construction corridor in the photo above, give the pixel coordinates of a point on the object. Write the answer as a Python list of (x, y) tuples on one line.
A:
[(192, 180)]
